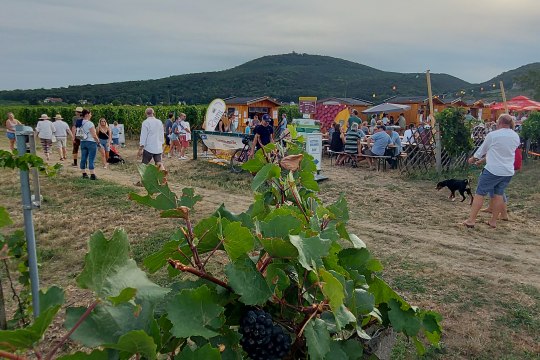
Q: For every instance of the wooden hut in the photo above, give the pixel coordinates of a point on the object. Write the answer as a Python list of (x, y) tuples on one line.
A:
[(419, 106), (247, 107), (351, 103), (480, 109)]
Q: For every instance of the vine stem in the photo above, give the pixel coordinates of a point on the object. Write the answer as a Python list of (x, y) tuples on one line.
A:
[(185, 268), (213, 251), (7, 355), (300, 206), (75, 327)]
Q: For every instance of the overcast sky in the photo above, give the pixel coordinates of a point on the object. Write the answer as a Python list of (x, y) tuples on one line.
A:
[(52, 43)]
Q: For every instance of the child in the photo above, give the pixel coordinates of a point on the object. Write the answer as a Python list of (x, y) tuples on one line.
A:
[(115, 134), (247, 131)]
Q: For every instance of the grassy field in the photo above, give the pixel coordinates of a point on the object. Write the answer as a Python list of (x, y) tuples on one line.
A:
[(485, 282)]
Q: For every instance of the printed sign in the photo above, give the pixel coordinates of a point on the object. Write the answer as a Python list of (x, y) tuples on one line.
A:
[(307, 104), (222, 146), (215, 111), (314, 147)]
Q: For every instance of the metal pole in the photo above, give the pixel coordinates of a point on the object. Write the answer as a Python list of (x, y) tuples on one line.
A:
[(438, 149), (35, 173), (22, 133), (194, 143)]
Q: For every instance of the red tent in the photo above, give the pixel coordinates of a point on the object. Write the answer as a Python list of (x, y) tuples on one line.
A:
[(518, 103)]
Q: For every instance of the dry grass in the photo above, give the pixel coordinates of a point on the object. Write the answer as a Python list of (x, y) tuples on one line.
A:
[(485, 282)]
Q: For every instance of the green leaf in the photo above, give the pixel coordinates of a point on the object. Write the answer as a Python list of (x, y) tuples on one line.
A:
[(382, 291), (281, 226), (359, 259), (247, 282), (125, 295), (405, 321), (340, 209), (238, 240), (244, 218), (310, 250), (211, 228), (279, 248), (79, 355), (318, 339), (352, 348), (207, 352), (255, 164), (195, 312), (276, 279), (52, 297), (135, 342), (189, 198), (157, 260), (336, 352), (267, 172), (361, 302), (5, 220), (154, 182), (332, 289), (343, 317), (432, 326), (107, 323), (357, 243), (108, 269)]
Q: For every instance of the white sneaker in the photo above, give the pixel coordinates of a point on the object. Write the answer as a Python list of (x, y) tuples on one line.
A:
[(183, 158)]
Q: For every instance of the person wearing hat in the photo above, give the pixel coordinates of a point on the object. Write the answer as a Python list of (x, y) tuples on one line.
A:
[(45, 131), (61, 132), (264, 134), (76, 122)]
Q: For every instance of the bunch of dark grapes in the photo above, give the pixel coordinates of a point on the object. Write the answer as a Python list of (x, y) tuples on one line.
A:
[(261, 339)]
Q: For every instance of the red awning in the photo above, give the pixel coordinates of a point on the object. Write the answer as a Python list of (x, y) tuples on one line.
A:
[(518, 103)]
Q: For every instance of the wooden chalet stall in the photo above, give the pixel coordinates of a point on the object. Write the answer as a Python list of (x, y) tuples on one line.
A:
[(246, 108), (480, 110), (351, 103), (419, 106)]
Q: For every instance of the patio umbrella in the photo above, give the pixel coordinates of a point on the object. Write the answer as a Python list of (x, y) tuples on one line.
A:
[(531, 108), (517, 103), (386, 108)]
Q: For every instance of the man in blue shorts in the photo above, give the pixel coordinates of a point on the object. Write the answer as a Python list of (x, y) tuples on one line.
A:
[(499, 148)]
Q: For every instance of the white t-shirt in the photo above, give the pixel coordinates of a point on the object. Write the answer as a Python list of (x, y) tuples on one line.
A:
[(499, 147), (184, 126), (408, 136), (45, 129), (61, 128), (152, 135)]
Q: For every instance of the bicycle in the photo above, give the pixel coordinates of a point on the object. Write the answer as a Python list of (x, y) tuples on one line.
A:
[(240, 156)]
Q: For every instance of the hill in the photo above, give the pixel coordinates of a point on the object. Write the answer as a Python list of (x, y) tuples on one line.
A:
[(285, 77)]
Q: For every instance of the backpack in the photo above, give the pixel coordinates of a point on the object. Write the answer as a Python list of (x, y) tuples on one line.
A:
[(79, 133)]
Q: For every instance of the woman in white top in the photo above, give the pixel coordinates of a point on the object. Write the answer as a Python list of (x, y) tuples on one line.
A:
[(10, 129), (89, 144), (45, 131)]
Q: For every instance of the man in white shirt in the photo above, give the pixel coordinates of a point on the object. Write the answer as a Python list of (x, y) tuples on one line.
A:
[(499, 148), (61, 132), (151, 143)]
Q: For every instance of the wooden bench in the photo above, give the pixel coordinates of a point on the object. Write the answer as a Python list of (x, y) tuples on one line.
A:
[(380, 160), (350, 157)]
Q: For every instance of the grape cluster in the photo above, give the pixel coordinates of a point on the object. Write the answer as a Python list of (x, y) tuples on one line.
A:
[(261, 339)]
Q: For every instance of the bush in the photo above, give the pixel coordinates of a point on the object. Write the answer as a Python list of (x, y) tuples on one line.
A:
[(455, 131), (530, 130)]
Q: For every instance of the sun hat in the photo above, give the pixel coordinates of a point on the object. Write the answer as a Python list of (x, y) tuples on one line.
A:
[(78, 109), (58, 117), (44, 117)]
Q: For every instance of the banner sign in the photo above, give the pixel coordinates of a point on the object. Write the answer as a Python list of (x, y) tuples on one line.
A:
[(307, 104), (215, 111), (221, 145)]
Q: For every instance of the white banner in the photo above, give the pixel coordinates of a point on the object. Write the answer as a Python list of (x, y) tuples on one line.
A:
[(215, 111), (222, 146)]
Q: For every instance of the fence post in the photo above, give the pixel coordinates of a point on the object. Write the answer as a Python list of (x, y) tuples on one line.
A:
[(22, 133), (194, 142), (438, 148)]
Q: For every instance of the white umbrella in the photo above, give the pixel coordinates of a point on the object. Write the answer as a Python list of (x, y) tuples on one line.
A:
[(386, 108)]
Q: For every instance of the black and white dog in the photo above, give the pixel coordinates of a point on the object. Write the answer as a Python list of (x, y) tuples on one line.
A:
[(463, 186)]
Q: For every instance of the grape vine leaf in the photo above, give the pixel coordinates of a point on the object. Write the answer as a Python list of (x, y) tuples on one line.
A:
[(112, 322), (189, 198), (280, 226), (195, 312), (207, 352), (157, 260), (224, 213), (310, 250), (79, 355), (402, 320), (340, 209), (277, 279), (279, 248), (359, 259), (154, 182), (5, 220), (238, 240), (108, 269), (361, 302), (135, 342), (352, 348), (332, 289), (318, 339), (247, 282), (125, 295), (52, 297), (268, 171), (432, 326), (343, 317)]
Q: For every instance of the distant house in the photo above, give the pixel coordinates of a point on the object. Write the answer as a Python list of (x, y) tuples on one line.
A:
[(246, 107), (83, 102), (52, 100)]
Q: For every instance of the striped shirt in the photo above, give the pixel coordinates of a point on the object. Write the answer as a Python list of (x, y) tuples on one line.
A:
[(351, 141)]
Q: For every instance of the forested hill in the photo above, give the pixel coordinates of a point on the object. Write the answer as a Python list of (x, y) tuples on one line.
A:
[(285, 77)]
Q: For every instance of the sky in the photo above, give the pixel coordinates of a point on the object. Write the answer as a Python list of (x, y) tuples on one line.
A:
[(56, 43)]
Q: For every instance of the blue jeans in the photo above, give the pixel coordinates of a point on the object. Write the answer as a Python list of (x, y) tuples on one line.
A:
[(88, 153)]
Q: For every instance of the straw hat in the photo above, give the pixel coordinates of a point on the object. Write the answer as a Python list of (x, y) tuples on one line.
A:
[(44, 117), (58, 117), (78, 109)]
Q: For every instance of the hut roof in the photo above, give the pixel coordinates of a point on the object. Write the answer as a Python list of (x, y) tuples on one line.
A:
[(413, 100), (249, 100), (347, 101)]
